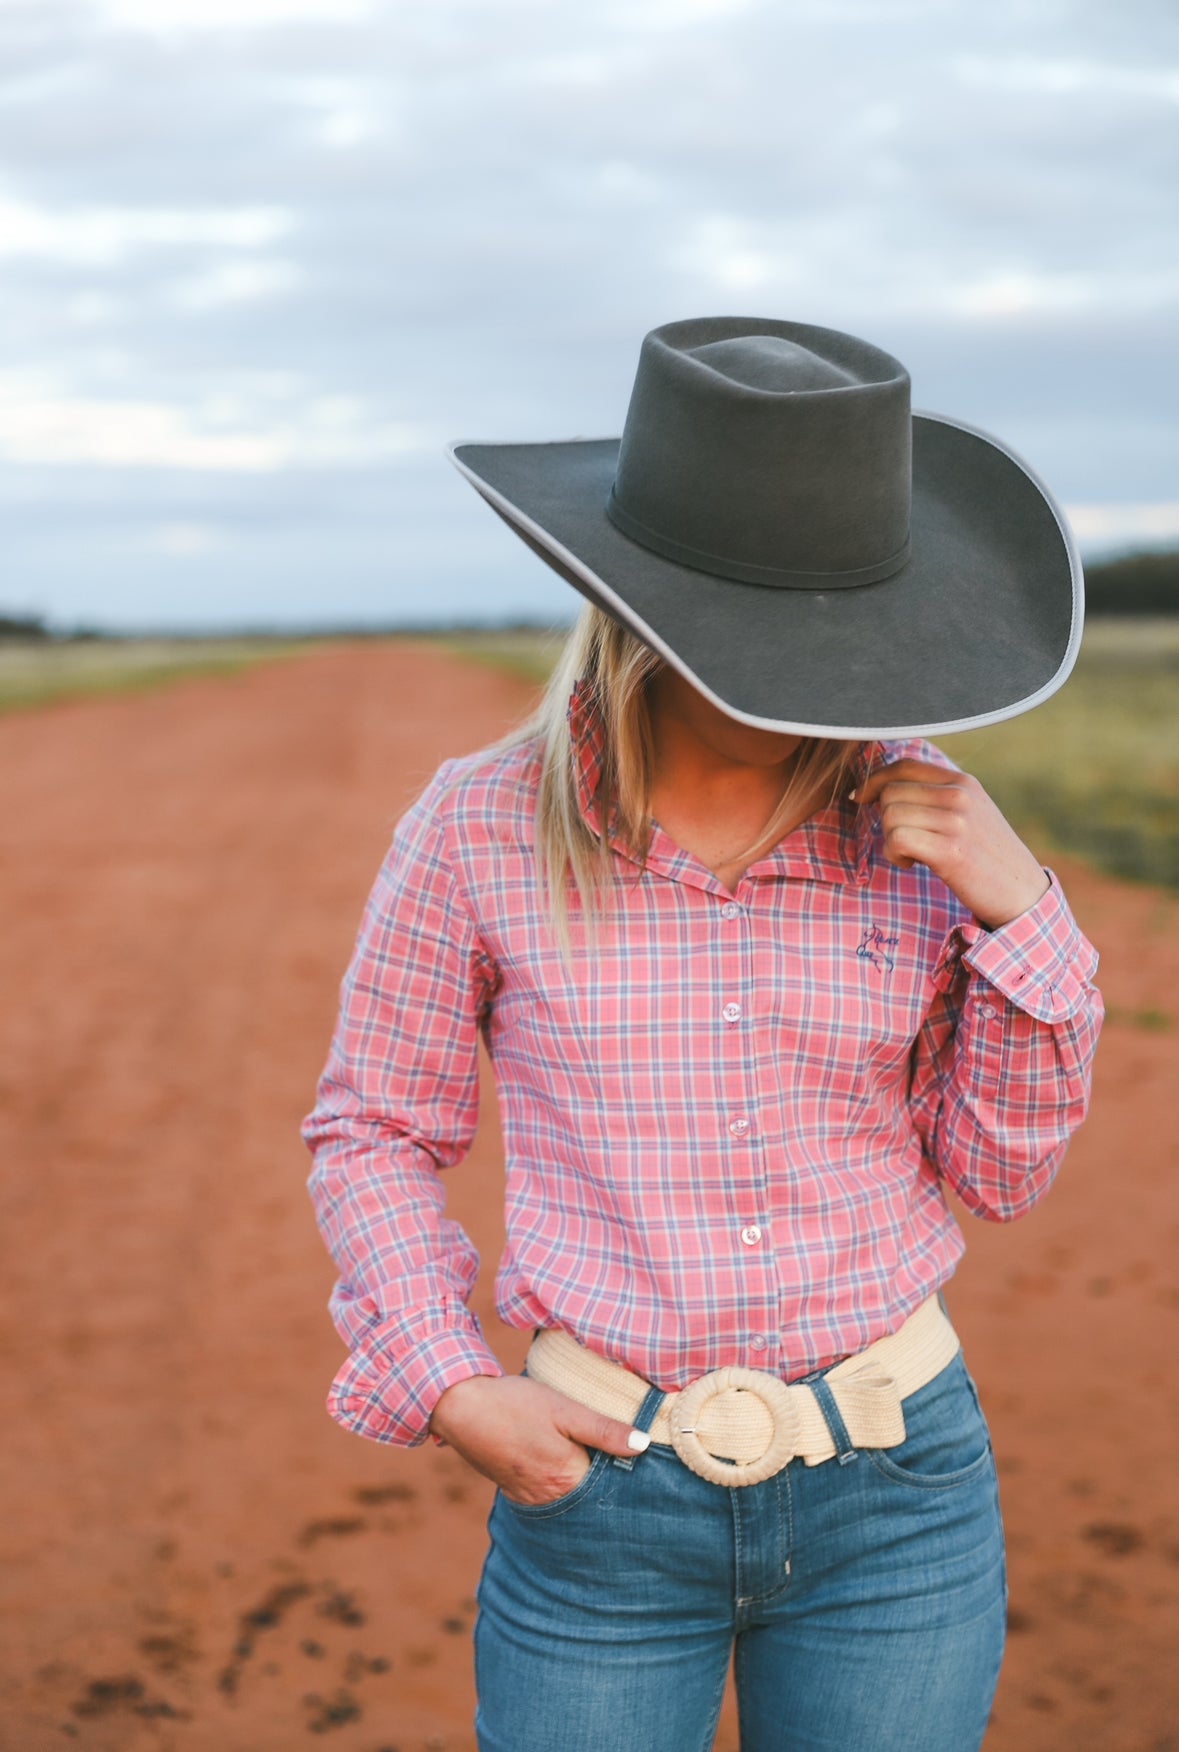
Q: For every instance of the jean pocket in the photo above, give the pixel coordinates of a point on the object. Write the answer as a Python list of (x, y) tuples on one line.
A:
[(572, 1498), (946, 1441)]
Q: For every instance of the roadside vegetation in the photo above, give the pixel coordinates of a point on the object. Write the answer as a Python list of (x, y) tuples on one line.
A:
[(529, 652), (37, 671), (1096, 769)]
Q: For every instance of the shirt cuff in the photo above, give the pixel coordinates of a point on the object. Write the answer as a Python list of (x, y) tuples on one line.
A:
[(389, 1388), (1039, 961)]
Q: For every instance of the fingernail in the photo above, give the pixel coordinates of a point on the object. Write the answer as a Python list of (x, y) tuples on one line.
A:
[(638, 1441)]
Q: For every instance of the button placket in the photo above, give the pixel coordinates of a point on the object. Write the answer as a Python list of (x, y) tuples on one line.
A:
[(731, 970), (735, 964)]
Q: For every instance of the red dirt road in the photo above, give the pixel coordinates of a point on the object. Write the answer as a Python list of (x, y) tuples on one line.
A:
[(193, 1556)]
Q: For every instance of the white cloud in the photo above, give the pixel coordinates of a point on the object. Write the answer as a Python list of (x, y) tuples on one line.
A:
[(243, 282), (1064, 78), (185, 541), (621, 183), (102, 235), (167, 17), (342, 128), (92, 309), (41, 425), (344, 113), (845, 261), (1028, 292), (1126, 525), (577, 70), (737, 254), (672, 15)]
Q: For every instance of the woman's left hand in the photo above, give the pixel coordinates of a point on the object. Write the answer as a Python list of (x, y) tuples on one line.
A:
[(945, 820)]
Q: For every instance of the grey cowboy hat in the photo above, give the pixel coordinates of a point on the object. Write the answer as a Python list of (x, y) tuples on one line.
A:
[(811, 555)]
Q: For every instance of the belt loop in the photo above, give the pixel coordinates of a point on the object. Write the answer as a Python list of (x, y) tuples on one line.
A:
[(845, 1451), (643, 1419)]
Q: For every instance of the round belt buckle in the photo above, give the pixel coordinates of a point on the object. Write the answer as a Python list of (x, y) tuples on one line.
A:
[(696, 1413)]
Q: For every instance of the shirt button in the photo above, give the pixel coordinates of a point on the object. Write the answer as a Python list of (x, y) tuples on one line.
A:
[(739, 1127), (732, 1012), (757, 1342), (751, 1234), (988, 1011), (730, 910)]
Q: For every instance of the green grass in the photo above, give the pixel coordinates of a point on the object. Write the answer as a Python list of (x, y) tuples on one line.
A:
[(36, 672), (527, 652), (1095, 771), (1150, 1021)]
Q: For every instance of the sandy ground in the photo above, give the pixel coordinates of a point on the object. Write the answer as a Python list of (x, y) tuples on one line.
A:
[(194, 1557)]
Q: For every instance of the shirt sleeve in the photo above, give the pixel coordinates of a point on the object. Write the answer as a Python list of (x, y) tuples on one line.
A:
[(397, 1102), (1002, 1067)]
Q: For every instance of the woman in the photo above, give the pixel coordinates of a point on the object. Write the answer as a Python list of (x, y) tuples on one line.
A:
[(759, 973)]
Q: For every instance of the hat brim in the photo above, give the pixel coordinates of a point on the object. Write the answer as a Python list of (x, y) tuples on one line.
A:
[(983, 621)]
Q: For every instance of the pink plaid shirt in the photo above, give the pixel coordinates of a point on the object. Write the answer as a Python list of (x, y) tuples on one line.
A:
[(726, 1129)]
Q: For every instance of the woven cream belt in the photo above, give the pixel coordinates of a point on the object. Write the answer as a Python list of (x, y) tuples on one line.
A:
[(738, 1426)]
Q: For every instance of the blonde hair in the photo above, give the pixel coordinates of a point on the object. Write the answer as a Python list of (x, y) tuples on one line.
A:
[(616, 666)]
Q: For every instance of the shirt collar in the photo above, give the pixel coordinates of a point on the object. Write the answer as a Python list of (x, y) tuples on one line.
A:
[(834, 845)]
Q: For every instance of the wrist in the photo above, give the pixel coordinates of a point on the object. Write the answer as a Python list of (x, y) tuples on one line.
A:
[(1019, 901), (453, 1400)]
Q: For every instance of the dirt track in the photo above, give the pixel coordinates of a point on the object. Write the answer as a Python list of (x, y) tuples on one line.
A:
[(193, 1556)]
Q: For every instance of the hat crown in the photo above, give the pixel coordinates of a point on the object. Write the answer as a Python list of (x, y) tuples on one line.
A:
[(767, 452), (770, 362)]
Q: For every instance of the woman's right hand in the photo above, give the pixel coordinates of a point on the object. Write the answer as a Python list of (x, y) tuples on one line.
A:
[(528, 1439)]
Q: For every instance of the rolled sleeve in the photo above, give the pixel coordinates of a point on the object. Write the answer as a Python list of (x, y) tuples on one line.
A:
[(1003, 1065), (388, 1389)]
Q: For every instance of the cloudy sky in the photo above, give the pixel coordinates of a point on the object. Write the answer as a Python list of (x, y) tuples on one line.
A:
[(261, 259)]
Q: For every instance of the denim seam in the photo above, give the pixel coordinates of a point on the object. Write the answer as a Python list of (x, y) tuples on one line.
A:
[(784, 1477), (738, 1565)]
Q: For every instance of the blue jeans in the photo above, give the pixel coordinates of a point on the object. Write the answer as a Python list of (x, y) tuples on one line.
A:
[(865, 1599)]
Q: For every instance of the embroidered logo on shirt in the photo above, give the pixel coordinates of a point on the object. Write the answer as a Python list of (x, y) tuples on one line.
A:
[(874, 946)]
